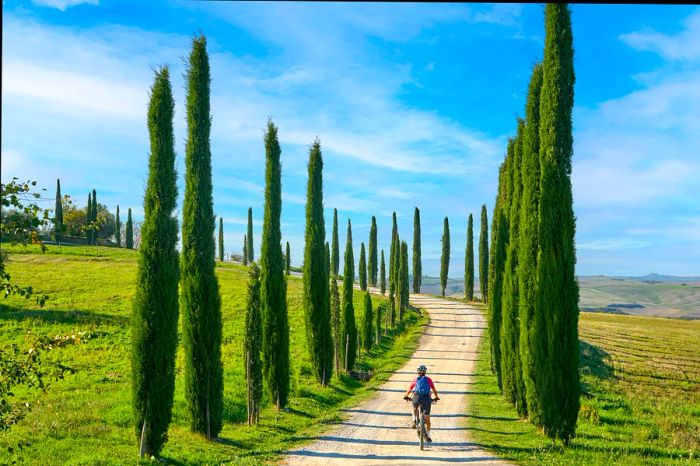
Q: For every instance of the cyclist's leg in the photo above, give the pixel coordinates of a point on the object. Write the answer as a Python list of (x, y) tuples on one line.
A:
[(427, 421)]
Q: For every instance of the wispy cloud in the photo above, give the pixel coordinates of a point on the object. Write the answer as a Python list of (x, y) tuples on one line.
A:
[(63, 5), (684, 45)]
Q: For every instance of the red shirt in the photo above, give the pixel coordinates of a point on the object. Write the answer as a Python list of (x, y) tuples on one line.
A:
[(430, 383)]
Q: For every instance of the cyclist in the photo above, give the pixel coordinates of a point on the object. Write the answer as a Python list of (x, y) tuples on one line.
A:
[(421, 387)]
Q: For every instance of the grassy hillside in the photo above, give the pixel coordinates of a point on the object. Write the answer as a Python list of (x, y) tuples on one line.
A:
[(86, 418), (641, 378)]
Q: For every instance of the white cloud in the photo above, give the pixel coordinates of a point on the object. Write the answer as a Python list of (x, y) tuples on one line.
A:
[(682, 46), (63, 5)]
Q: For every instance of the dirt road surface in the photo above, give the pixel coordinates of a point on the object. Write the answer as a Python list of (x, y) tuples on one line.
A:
[(378, 431)]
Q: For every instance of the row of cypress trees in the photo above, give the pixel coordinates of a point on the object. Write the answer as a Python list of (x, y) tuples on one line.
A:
[(532, 290)]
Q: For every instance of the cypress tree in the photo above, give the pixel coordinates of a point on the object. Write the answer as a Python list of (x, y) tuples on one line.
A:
[(58, 214), (288, 260), (93, 218), (445, 259), (417, 265), (119, 230), (200, 299), (382, 275), (367, 323), (252, 344), (363, 268), (527, 254), (372, 260), (221, 239), (348, 342), (155, 305), (484, 255), (393, 268), (556, 321), (129, 231), (328, 260), (336, 326), (245, 249), (316, 300), (249, 236), (469, 261), (335, 248), (403, 279), (273, 296), (88, 220)]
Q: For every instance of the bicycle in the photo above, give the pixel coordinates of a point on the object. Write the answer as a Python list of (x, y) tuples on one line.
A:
[(421, 429)]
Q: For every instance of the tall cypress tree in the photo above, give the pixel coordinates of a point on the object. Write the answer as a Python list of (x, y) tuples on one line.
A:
[(393, 267), (527, 246), (336, 324), (221, 239), (273, 285), (155, 305), (335, 248), (469, 261), (367, 323), (382, 275), (316, 299), (484, 255), (251, 346), (363, 268), (129, 231), (445, 259), (88, 220), (372, 260), (93, 217), (58, 214), (249, 237), (403, 279), (288, 260), (245, 249), (118, 229), (556, 322), (348, 342), (417, 265), (200, 299)]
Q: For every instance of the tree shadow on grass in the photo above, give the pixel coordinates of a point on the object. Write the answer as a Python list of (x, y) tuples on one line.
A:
[(56, 316)]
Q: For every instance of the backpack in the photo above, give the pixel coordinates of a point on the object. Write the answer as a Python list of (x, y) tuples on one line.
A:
[(422, 386)]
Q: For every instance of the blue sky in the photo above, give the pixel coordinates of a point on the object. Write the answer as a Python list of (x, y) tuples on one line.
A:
[(413, 104)]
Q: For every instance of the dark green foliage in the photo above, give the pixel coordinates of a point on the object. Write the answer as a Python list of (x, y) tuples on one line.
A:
[(393, 269), (348, 341), (118, 229), (200, 299), (93, 219), (417, 264), (336, 324), (469, 261), (382, 275), (316, 294), (363, 268), (381, 308), (249, 237), (445, 258), (367, 323), (484, 256), (252, 344), (58, 214), (273, 295), (288, 260), (129, 231), (328, 260), (335, 247), (88, 220), (528, 243), (372, 264), (221, 239), (403, 288), (556, 322), (245, 249), (155, 307)]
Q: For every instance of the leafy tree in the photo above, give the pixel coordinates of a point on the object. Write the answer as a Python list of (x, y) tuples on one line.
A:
[(316, 294), (417, 265), (273, 284), (93, 218), (382, 275), (200, 299), (88, 220), (118, 229), (363, 268), (288, 260), (367, 323), (221, 239), (245, 249), (484, 255), (335, 248), (252, 344), (250, 244), (155, 305), (469, 261), (349, 331), (445, 259), (129, 231), (58, 214), (372, 260)]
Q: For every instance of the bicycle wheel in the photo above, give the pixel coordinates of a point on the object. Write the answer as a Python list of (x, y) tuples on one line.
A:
[(421, 434)]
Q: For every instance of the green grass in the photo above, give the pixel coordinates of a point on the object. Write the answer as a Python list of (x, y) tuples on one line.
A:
[(86, 418), (641, 376)]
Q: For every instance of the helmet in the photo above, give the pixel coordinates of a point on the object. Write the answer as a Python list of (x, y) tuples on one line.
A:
[(422, 368)]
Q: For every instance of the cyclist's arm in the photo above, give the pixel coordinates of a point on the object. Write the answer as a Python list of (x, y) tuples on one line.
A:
[(408, 392), (432, 385)]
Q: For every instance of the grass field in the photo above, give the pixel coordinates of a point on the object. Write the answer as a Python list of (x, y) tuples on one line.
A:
[(641, 376), (86, 418)]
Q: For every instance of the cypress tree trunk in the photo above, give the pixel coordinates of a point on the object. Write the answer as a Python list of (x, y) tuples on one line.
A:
[(155, 306), (445, 260), (382, 275), (484, 256), (252, 344), (367, 323), (556, 322), (372, 260), (363, 268), (88, 221), (129, 231), (469, 262), (249, 237), (335, 248), (221, 239), (119, 230), (417, 265), (349, 330), (316, 300), (288, 260), (338, 344), (58, 214), (273, 295), (404, 279), (245, 249), (93, 218), (200, 299), (527, 258)]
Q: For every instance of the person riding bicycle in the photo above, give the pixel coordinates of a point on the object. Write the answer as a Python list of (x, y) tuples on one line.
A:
[(421, 387)]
